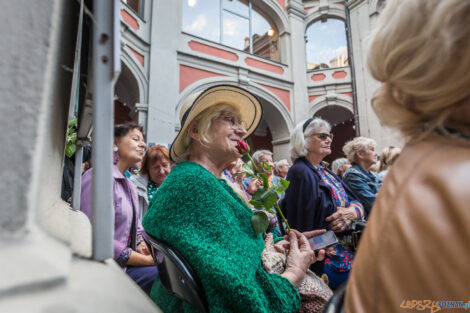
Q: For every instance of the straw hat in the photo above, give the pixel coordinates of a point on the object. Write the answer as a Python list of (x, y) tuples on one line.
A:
[(248, 105)]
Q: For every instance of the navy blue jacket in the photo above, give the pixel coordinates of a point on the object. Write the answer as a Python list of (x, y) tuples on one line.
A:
[(308, 200)]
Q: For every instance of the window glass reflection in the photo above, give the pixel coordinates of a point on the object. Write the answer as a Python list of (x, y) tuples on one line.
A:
[(326, 45), (265, 37), (202, 18), (237, 6), (236, 30)]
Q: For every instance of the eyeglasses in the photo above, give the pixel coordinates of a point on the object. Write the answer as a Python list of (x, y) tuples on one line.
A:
[(323, 136), (233, 121)]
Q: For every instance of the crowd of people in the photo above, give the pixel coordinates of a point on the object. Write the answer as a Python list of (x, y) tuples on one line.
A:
[(195, 196)]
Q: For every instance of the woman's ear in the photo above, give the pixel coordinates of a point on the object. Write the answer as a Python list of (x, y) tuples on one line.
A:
[(360, 154), (193, 131)]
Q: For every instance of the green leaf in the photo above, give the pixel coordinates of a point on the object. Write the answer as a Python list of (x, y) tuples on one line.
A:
[(281, 185), (264, 178), (248, 169), (72, 122), (259, 222), (70, 149), (266, 166), (258, 193), (256, 203), (266, 197)]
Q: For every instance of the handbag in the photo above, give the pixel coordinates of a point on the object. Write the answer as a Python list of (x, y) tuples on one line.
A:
[(314, 293), (357, 228)]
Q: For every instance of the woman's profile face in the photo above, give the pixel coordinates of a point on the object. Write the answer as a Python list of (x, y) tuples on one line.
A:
[(159, 170), (318, 143), (131, 147), (224, 134)]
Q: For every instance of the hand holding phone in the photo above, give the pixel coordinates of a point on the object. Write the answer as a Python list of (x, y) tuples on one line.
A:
[(323, 241)]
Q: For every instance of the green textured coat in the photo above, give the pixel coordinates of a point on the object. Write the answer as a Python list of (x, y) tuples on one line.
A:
[(201, 217)]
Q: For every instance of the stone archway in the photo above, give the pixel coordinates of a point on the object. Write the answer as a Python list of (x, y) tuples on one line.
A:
[(273, 132), (342, 127), (127, 94)]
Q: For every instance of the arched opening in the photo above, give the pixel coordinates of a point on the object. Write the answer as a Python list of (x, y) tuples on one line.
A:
[(326, 45), (126, 90), (272, 133), (342, 122)]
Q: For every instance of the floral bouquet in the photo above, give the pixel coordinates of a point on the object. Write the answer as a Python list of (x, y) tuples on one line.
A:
[(266, 196)]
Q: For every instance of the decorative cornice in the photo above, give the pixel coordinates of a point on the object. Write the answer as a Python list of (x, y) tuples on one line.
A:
[(296, 8), (354, 3)]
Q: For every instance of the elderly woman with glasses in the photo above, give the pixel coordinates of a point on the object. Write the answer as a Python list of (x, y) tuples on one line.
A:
[(317, 198), (197, 213)]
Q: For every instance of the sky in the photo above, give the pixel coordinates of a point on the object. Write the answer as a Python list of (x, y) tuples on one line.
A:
[(326, 41)]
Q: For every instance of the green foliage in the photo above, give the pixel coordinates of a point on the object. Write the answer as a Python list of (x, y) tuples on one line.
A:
[(71, 137), (259, 222), (281, 185)]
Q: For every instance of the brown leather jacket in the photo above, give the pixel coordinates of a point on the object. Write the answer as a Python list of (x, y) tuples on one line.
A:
[(417, 242)]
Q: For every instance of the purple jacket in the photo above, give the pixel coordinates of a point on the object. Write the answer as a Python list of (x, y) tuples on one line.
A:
[(125, 200)]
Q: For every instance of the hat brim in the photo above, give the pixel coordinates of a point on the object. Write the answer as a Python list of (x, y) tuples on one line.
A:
[(247, 104)]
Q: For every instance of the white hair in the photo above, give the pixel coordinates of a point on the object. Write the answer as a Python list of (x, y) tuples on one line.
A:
[(281, 163), (259, 153), (338, 165), (298, 138)]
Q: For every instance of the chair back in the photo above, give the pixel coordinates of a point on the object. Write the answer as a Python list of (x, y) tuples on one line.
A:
[(176, 274), (336, 302)]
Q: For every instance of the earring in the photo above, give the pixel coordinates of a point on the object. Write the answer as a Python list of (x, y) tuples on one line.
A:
[(116, 156)]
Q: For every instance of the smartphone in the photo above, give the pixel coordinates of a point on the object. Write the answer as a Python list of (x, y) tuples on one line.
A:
[(323, 241)]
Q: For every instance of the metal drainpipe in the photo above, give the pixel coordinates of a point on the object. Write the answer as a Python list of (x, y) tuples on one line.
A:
[(103, 119), (351, 63)]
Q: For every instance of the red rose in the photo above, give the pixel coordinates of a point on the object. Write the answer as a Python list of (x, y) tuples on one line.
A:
[(242, 147)]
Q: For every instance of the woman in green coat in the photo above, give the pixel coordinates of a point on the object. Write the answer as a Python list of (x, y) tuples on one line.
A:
[(198, 214)]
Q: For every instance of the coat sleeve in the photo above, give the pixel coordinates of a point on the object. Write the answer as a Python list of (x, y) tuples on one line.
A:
[(307, 203), (361, 188)]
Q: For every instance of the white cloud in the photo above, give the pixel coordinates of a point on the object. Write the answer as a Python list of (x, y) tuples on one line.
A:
[(231, 27), (326, 54), (198, 25)]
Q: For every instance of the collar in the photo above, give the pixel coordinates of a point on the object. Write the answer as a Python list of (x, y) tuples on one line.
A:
[(117, 174)]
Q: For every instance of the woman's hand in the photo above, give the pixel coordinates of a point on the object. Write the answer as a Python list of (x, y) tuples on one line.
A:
[(142, 248), (139, 259), (300, 257), (253, 186), (341, 219), (282, 245)]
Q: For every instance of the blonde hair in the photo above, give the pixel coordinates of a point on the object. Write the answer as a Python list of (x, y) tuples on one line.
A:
[(298, 140), (357, 144), (387, 157), (420, 51), (204, 121)]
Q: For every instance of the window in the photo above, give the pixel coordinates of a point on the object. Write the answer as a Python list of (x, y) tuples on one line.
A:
[(326, 45), (136, 5), (235, 23)]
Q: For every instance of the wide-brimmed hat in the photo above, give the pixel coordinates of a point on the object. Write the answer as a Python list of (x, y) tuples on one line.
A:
[(247, 104)]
